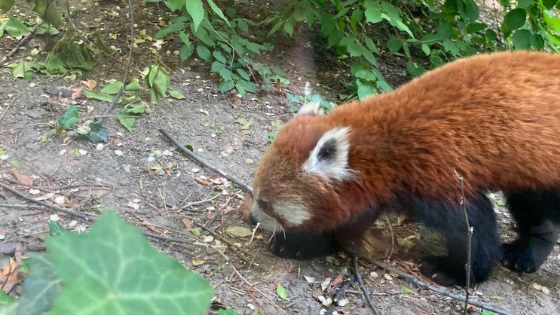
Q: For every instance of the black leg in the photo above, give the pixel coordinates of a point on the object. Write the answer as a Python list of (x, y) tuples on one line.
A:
[(448, 220), (301, 245), (538, 215)]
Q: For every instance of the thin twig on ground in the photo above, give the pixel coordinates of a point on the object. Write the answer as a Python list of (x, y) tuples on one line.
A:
[(194, 203), (84, 216), (87, 217), (207, 165), (219, 212), (12, 102), (363, 287), (258, 290), (21, 42), (339, 294), (469, 242), (125, 76), (412, 279)]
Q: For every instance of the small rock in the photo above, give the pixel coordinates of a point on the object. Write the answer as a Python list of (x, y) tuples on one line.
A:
[(545, 290), (72, 223), (134, 205), (374, 275), (118, 152), (82, 152), (151, 159), (59, 200), (99, 147), (34, 191), (8, 248), (54, 217), (208, 239), (248, 161), (62, 152), (309, 279), (388, 277), (342, 302), (195, 170)]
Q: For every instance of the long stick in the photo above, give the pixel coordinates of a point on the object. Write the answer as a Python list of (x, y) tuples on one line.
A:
[(239, 183), (412, 279)]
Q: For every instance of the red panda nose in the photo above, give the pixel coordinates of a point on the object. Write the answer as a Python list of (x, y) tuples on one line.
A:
[(252, 220)]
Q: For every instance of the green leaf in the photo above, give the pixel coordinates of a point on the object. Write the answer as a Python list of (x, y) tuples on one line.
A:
[(14, 163), (218, 12), (515, 19), (69, 118), (97, 133), (218, 55), (195, 231), (487, 312), (126, 119), (242, 25), (158, 81), (407, 290), (390, 10), (97, 96), (394, 44), (217, 66), (365, 89), (134, 85), (6, 5), (225, 74), (281, 291), (55, 229), (244, 74), (476, 27), (471, 10), (451, 47), (491, 35), (112, 88), (15, 27), (177, 95), (373, 15), (246, 86), (2, 152), (524, 3), (41, 287), (354, 49), (549, 4), (112, 269), (5, 299), (426, 49), (196, 11), (522, 39), (497, 297), (226, 85), (203, 53)]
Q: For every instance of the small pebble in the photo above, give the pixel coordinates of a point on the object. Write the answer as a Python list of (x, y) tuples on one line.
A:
[(118, 152)]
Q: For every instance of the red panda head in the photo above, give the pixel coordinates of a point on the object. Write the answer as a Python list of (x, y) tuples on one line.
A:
[(297, 184)]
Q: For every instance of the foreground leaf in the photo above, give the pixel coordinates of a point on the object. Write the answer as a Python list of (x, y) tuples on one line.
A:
[(281, 291), (239, 231), (114, 270), (41, 287)]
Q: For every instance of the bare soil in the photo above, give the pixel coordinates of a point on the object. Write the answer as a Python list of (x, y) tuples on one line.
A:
[(161, 201)]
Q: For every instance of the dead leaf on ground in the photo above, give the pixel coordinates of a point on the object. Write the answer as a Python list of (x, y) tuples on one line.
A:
[(9, 276), (187, 222), (90, 84), (22, 178), (244, 123), (239, 231), (45, 196), (202, 181)]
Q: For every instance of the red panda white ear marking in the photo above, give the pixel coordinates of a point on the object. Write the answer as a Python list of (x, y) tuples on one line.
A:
[(311, 108), (293, 213), (329, 158)]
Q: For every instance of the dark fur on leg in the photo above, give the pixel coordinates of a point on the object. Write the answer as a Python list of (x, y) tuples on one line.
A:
[(538, 215), (448, 220)]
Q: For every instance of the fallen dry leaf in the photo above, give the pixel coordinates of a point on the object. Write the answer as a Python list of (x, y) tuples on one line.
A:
[(202, 181), (239, 231), (9, 276), (90, 84), (24, 179), (187, 223), (45, 196), (197, 261)]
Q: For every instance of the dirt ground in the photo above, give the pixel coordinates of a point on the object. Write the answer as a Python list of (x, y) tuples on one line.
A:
[(120, 175)]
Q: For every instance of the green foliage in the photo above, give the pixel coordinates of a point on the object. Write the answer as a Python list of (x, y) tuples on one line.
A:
[(111, 269), (225, 41)]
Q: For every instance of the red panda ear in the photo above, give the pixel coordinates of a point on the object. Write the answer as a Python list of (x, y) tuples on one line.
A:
[(329, 158), (311, 108)]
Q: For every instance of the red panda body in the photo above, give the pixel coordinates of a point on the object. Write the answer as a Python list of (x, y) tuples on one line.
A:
[(491, 120)]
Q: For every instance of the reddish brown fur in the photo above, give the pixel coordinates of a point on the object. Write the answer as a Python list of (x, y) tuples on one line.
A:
[(494, 118)]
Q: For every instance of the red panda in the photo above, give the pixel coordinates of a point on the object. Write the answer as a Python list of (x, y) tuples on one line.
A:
[(491, 119)]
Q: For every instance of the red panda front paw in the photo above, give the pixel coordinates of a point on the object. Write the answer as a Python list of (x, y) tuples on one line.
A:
[(442, 271), (301, 246)]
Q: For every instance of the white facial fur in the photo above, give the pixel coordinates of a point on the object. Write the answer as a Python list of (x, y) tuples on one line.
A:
[(329, 158), (295, 214), (311, 108), (266, 222)]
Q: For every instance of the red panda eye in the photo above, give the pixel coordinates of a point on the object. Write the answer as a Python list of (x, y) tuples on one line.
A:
[(263, 204)]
